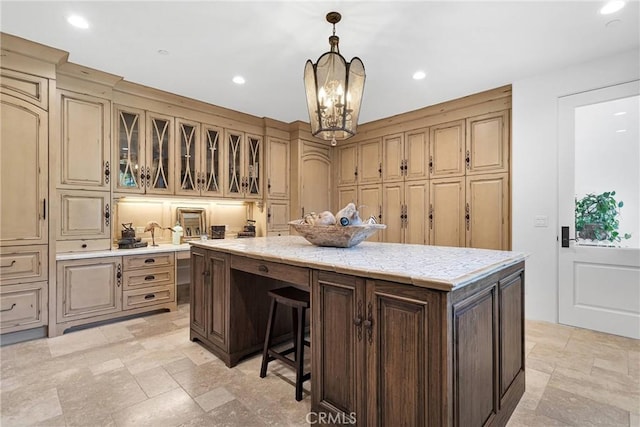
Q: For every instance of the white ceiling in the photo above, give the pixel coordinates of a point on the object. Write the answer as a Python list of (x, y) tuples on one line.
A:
[(464, 47)]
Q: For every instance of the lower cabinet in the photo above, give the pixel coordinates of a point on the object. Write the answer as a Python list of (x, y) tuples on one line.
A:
[(96, 289), (209, 295), (370, 343), (89, 288), (23, 306)]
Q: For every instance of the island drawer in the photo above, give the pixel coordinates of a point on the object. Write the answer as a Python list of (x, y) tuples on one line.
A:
[(150, 260), (149, 296), (20, 264), (144, 278), (274, 270)]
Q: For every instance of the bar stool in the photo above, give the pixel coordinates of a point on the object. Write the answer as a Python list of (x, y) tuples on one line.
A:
[(298, 300)]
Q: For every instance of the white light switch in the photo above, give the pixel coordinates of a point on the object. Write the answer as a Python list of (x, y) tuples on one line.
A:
[(541, 221)]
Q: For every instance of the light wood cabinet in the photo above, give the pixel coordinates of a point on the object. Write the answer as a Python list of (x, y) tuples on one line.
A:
[(23, 172), (347, 164), (404, 212), (369, 162), (83, 215), (277, 168), (199, 159), (314, 186), (369, 204), (148, 280), (145, 151), (22, 264), (488, 143), (446, 212), (487, 211), (277, 216), (88, 288), (23, 306), (446, 149), (346, 195), (405, 156), (243, 165), (85, 147)]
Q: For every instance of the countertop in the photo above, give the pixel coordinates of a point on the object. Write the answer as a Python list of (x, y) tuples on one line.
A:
[(436, 267), (163, 247)]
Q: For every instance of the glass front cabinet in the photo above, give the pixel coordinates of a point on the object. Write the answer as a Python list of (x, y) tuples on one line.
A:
[(244, 157), (199, 160), (144, 150)]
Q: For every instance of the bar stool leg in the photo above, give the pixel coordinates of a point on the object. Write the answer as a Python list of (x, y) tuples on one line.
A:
[(294, 323), (299, 340), (267, 341)]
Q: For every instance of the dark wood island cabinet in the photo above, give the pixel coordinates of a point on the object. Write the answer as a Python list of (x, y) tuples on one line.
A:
[(401, 334)]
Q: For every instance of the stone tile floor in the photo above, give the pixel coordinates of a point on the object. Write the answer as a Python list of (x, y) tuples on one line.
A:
[(146, 372)]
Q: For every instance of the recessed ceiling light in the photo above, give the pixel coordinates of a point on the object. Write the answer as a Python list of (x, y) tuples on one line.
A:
[(163, 52), (612, 7), (239, 80), (621, 130), (419, 75), (620, 113), (78, 21)]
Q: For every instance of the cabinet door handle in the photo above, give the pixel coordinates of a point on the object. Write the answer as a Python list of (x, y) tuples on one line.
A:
[(380, 214), (430, 164), (44, 208), (149, 296), (149, 261), (380, 170), (149, 277), (119, 275), (355, 173), (8, 265), (269, 185), (467, 215), (358, 321), (368, 324), (431, 217), (268, 215), (142, 177), (107, 214), (263, 268), (467, 160), (107, 172), (8, 309)]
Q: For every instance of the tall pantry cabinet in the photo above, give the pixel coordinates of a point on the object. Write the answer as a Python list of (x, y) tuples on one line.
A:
[(27, 86)]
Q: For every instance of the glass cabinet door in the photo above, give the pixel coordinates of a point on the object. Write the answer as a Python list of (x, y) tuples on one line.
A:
[(210, 176), (254, 146), (159, 160), (235, 180), (130, 146), (188, 176)]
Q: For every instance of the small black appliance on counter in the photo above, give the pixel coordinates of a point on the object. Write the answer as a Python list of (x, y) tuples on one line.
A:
[(129, 239), (249, 229)]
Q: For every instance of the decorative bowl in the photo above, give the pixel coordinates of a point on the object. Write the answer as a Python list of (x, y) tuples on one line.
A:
[(336, 236)]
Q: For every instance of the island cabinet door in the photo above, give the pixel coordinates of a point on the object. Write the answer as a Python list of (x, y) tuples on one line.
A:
[(403, 334), (198, 292), (338, 357)]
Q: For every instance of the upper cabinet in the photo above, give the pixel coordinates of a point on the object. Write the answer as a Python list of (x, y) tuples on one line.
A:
[(488, 143), (84, 156), (360, 163), (144, 151), (198, 166), (243, 163), (446, 152), (277, 168), (23, 171), (405, 156), (347, 167)]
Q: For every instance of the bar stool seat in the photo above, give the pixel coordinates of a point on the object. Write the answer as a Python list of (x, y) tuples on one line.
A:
[(299, 302)]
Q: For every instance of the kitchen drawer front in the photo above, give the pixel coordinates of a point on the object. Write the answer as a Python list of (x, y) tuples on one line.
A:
[(149, 296), (21, 264), (274, 270), (146, 277), (23, 306), (83, 245), (150, 260)]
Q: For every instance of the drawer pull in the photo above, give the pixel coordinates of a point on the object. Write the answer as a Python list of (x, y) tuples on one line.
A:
[(9, 309), (149, 296), (149, 261), (150, 277), (84, 245), (263, 268), (9, 265)]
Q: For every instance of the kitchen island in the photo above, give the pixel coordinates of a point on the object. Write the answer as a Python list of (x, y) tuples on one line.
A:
[(401, 334)]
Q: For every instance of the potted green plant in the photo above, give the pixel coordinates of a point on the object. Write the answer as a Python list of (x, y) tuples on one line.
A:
[(597, 217)]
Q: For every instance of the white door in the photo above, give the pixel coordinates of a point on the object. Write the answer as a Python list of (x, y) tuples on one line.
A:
[(599, 153)]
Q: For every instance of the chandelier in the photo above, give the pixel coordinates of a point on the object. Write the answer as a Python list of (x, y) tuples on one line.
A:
[(334, 91)]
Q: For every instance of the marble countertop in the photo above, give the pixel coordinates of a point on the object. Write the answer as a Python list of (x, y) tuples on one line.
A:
[(163, 247), (437, 267)]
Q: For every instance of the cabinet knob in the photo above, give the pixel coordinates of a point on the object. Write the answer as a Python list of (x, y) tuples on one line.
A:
[(263, 268), (84, 245)]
